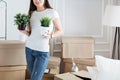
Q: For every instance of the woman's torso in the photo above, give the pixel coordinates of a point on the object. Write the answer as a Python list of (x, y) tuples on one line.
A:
[(36, 41)]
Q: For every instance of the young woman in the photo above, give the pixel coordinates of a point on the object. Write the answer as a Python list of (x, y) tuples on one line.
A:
[(37, 44)]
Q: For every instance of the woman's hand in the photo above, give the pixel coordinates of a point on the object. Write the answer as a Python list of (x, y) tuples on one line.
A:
[(47, 35), (24, 32)]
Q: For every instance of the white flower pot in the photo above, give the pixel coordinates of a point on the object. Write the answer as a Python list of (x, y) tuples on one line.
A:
[(45, 31)]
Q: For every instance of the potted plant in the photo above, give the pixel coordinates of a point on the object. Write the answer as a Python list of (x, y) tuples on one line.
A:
[(22, 20), (45, 25), (45, 21)]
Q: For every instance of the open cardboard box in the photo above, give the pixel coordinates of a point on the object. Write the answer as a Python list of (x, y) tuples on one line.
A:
[(82, 63), (80, 75)]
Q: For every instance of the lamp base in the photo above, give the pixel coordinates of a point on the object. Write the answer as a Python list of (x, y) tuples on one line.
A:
[(116, 51)]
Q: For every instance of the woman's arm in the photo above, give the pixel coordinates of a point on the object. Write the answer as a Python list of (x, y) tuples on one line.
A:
[(58, 28)]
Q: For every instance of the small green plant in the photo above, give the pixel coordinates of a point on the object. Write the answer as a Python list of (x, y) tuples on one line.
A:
[(45, 21), (21, 19)]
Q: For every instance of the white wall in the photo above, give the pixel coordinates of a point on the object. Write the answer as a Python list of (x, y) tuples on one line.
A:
[(83, 17)]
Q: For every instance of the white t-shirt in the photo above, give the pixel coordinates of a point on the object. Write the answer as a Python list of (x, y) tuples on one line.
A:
[(36, 41)]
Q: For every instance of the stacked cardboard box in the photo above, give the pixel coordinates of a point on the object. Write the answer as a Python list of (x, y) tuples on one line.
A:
[(12, 73), (12, 52), (12, 60), (79, 48), (54, 62)]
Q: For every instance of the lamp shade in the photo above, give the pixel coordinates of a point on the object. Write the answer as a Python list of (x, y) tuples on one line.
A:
[(112, 16)]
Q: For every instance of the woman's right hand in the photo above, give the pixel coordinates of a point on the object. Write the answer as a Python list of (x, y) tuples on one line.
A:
[(24, 32)]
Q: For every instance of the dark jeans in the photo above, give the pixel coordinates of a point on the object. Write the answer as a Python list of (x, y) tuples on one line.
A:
[(37, 62)]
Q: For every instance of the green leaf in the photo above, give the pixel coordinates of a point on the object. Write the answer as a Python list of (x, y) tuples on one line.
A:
[(45, 21), (21, 19)]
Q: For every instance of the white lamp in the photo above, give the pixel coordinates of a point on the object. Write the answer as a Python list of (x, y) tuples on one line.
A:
[(112, 18)]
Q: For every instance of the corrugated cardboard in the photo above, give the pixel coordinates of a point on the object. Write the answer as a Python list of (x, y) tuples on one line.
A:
[(48, 77), (66, 76), (54, 71), (77, 47), (80, 62), (54, 62), (83, 74), (71, 76), (12, 52), (12, 73)]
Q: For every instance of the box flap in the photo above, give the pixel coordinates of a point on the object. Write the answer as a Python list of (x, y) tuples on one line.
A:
[(82, 73), (66, 76)]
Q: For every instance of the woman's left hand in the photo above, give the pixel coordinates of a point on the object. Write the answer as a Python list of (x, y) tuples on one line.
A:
[(47, 35)]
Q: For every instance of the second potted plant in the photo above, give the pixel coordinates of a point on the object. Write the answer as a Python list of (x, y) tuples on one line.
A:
[(22, 20)]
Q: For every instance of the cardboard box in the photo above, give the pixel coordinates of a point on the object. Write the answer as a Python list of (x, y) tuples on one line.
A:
[(12, 52), (80, 75), (80, 62), (54, 71), (54, 62), (12, 73), (66, 76), (77, 47), (48, 77)]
